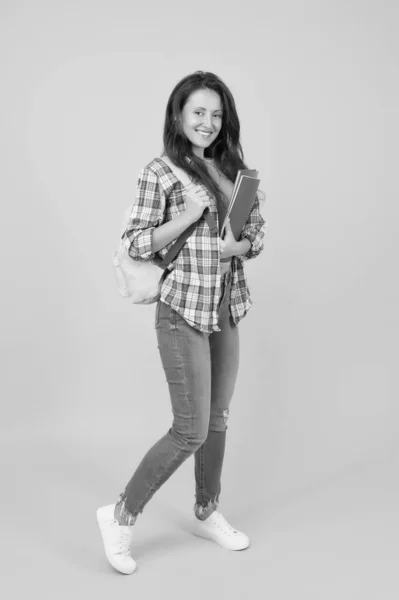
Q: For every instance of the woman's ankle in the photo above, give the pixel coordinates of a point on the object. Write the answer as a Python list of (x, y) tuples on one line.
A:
[(124, 518), (203, 510)]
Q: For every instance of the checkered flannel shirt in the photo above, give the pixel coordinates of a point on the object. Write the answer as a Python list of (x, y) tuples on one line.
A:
[(193, 286)]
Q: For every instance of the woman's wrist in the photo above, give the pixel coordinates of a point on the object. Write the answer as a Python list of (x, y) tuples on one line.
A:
[(186, 219), (169, 231)]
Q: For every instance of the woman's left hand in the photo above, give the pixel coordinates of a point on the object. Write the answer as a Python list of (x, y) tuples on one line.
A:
[(228, 246)]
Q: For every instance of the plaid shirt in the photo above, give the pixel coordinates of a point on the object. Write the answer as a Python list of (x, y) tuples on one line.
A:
[(193, 286)]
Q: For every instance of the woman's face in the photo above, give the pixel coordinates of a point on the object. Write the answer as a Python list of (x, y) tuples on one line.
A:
[(201, 119)]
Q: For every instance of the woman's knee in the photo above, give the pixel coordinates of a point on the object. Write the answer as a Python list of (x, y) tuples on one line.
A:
[(192, 440)]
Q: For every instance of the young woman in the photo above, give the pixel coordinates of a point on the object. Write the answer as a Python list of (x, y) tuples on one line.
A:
[(203, 298)]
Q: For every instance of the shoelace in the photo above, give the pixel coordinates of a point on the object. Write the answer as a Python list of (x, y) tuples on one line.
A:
[(225, 524), (125, 543)]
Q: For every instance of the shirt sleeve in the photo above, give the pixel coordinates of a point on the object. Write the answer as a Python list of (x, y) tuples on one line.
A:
[(146, 214), (254, 230)]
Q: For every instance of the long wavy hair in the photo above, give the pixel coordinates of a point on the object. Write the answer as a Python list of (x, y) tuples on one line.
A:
[(226, 149)]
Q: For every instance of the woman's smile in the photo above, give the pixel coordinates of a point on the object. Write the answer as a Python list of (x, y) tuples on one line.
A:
[(205, 134)]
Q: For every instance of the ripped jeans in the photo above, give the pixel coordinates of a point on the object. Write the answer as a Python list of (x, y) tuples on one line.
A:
[(201, 370)]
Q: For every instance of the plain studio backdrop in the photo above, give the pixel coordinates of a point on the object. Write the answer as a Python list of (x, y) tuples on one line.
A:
[(311, 462)]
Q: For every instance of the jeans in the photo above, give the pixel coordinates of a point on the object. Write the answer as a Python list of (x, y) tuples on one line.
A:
[(201, 370)]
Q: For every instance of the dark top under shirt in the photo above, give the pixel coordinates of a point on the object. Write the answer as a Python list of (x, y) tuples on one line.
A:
[(226, 187)]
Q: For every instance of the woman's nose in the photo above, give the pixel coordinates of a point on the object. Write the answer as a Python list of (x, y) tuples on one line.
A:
[(208, 121)]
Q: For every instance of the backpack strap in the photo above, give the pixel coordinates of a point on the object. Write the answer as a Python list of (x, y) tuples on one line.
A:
[(171, 254), (175, 249), (185, 180), (181, 240)]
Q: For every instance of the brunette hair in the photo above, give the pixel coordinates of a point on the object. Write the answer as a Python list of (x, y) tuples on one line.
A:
[(226, 150)]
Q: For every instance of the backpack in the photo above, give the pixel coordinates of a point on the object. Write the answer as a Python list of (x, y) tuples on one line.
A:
[(141, 280)]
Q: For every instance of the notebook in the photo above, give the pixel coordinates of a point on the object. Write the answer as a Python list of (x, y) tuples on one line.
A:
[(242, 199)]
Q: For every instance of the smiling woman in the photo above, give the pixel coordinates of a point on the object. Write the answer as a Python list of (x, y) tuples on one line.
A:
[(202, 300)]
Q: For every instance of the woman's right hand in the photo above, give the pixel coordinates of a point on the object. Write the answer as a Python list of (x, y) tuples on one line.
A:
[(197, 200)]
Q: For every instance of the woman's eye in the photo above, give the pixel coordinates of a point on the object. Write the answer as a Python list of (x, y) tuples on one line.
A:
[(199, 112)]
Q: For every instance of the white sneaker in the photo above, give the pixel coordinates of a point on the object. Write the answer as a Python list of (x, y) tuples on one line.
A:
[(216, 528), (116, 540)]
